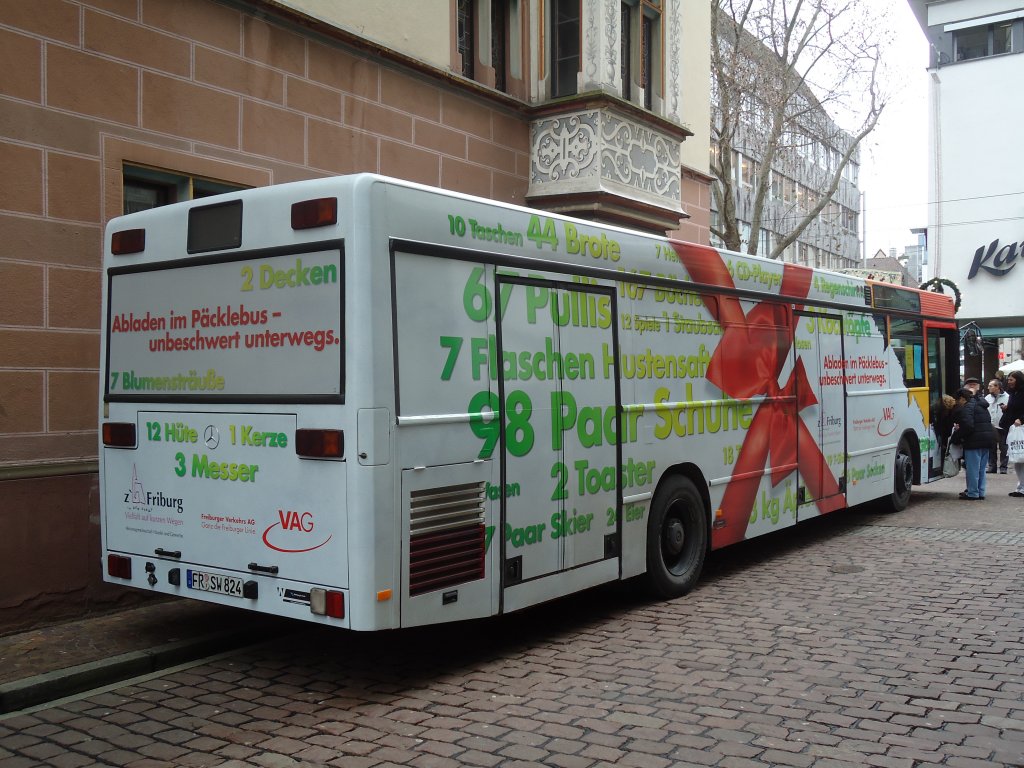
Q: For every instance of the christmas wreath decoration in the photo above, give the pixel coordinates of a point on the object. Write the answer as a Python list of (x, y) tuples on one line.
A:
[(936, 284)]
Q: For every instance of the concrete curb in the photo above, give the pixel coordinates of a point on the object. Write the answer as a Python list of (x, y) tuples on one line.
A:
[(39, 689)]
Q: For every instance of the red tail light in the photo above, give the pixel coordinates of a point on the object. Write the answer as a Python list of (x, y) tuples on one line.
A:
[(315, 213), (119, 566), (128, 241), (320, 443), (118, 434), (336, 605), (323, 602)]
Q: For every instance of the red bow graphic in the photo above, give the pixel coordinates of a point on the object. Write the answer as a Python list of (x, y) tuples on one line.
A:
[(748, 361)]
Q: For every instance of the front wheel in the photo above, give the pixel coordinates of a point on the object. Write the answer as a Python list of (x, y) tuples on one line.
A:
[(677, 538), (902, 478)]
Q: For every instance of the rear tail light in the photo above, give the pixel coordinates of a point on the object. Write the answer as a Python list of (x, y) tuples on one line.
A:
[(119, 566), (118, 434), (320, 443), (128, 241), (315, 213), (327, 602)]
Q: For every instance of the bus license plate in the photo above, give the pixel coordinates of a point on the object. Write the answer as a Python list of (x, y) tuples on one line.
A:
[(215, 582)]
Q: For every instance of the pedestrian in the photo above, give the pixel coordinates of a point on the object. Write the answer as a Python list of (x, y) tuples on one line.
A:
[(943, 422), (972, 384), (1013, 415), (996, 399), (975, 434)]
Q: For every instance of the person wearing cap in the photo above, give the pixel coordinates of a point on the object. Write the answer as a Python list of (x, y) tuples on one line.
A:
[(976, 434), (972, 384)]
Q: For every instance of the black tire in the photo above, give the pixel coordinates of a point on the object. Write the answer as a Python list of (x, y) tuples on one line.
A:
[(677, 538), (902, 478)]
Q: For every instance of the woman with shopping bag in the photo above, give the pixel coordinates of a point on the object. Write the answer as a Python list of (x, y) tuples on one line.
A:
[(1011, 421), (943, 424)]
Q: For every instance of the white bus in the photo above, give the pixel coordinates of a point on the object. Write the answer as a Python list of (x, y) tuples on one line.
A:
[(373, 404)]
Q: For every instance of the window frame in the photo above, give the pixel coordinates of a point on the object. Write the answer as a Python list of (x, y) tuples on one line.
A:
[(465, 37), (987, 48), (179, 186), (567, 27)]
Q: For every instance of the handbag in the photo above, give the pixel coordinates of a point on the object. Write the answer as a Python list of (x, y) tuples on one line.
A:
[(1015, 444), (956, 451)]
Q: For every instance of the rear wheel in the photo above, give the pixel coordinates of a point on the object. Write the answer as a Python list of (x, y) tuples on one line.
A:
[(677, 538), (902, 478)]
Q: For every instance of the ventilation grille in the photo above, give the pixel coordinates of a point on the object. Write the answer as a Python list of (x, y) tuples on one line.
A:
[(446, 536)]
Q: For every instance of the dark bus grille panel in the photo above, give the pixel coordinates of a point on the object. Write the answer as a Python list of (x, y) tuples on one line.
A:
[(446, 537)]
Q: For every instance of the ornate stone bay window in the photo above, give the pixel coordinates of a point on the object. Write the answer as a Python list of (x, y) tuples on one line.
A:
[(602, 162), (605, 135)]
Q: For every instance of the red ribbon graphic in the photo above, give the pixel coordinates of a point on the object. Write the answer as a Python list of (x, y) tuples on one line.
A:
[(748, 361)]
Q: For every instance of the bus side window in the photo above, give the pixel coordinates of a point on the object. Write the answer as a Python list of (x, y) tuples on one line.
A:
[(907, 340)]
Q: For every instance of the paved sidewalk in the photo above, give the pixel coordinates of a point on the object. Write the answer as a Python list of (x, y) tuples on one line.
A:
[(60, 660)]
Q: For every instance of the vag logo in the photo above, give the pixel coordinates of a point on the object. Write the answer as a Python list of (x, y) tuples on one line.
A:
[(887, 424), (293, 532)]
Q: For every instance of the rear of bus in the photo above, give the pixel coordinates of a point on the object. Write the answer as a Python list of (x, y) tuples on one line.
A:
[(227, 430)]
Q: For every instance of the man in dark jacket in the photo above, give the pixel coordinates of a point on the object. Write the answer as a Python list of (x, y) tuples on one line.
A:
[(974, 431)]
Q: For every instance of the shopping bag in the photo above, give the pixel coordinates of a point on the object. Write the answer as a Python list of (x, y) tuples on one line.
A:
[(956, 451), (951, 466), (1015, 444)]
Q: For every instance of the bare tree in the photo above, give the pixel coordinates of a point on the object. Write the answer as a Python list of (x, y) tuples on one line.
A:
[(779, 69)]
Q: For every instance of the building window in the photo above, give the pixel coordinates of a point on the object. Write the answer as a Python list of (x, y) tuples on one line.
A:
[(639, 48), (650, 25), (716, 223), (565, 47), (465, 36), (140, 195), (745, 166), (499, 34), (647, 59), (976, 42), (145, 188), (788, 190), (744, 234)]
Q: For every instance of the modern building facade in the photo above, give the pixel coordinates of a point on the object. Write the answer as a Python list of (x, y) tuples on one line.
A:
[(594, 108), (976, 198), (917, 254), (810, 149)]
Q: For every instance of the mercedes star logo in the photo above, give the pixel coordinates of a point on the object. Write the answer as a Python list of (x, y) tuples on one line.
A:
[(212, 436)]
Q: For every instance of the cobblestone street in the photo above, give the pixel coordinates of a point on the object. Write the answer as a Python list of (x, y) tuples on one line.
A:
[(856, 640)]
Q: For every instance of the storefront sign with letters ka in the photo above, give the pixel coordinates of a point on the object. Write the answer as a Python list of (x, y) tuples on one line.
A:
[(995, 260)]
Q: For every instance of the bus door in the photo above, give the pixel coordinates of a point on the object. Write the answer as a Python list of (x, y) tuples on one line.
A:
[(942, 344), (821, 399), (560, 454)]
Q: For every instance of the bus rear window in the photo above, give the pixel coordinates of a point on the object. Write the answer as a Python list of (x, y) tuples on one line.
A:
[(245, 330), (215, 227)]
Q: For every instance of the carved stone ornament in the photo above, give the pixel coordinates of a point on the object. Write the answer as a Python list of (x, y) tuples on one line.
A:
[(603, 151)]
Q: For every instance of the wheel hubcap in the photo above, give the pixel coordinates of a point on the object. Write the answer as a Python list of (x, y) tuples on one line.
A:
[(674, 537), (904, 473)]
